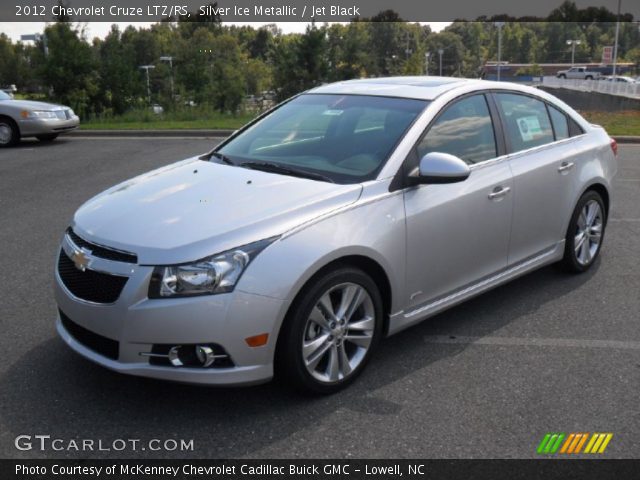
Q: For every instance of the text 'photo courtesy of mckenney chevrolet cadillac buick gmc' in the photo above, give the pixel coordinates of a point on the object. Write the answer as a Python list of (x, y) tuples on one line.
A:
[(344, 215)]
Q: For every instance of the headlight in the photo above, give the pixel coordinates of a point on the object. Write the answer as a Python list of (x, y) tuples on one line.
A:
[(71, 113), (216, 274), (38, 114)]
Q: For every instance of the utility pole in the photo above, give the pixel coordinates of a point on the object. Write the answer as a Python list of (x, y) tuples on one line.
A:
[(440, 52), (146, 69), (499, 25), (573, 44), (615, 45), (427, 57), (167, 58)]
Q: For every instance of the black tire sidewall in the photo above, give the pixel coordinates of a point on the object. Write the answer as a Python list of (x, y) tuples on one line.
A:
[(289, 363), (570, 260), (14, 133)]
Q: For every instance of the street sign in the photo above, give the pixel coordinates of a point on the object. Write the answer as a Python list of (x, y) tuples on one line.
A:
[(607, 55)]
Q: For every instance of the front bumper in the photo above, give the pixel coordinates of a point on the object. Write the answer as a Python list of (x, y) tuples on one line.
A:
[(137, 323), (31, 127)]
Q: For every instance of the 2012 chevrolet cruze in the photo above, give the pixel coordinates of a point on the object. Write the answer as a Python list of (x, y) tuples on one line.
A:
[(345, 214)]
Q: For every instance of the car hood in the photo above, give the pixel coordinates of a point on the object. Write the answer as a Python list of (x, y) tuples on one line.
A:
[(195, 208), (32, 105)]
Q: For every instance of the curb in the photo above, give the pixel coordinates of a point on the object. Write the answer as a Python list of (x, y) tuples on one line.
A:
[(632, 139), (627, 139), (151, 133)]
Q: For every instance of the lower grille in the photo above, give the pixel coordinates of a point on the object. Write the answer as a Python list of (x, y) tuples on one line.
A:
[(89, 285), (99, 344)]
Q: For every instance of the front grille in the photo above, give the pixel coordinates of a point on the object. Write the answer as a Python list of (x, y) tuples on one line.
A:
[(89, 285), (99, 344), (102, 252)]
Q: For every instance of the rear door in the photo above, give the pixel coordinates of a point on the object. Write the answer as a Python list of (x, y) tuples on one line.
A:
[(543, 165)]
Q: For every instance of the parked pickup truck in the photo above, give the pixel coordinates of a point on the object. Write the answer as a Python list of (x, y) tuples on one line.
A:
[(581, 73)]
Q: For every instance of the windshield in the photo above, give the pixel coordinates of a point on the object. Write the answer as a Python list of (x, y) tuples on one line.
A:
[(345, 138), (4, 95)]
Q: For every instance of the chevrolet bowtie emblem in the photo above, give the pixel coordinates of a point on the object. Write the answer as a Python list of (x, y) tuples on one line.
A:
[(80, 260)]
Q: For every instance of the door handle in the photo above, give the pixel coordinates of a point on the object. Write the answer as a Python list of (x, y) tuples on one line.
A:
[(565, 166), (499, 192)]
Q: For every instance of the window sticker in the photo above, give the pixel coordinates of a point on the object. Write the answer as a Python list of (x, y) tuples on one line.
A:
[(333, 113), (529, 128)]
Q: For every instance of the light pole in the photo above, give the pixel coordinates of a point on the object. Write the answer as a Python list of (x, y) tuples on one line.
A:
[(615, 44), (499, 25), (167, 58), (35, 37), (440, 52), (427, 57), (146, 69), (573, 44)]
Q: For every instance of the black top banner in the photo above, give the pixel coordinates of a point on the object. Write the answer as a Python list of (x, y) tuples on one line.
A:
[(284, 10)]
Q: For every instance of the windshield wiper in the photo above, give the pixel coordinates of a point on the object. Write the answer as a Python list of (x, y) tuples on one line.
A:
[(222, 157), (294, 172)]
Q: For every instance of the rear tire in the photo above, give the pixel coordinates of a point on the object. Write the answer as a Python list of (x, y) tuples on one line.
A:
[(562, 76), (9, 133), (588, 77), (585, 233), (49, 137), (330, 332)]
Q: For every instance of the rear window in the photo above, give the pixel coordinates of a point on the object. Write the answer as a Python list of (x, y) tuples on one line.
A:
[(526, 119)]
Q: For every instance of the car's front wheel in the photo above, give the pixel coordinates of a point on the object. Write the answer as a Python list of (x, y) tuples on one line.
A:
[(9, 134), (330, 332), (585, 233)]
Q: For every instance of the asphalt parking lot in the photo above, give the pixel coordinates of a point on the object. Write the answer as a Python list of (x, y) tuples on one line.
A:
[(487, 379)]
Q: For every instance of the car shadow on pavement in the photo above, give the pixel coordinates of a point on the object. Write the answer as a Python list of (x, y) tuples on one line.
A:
[(51, 390)]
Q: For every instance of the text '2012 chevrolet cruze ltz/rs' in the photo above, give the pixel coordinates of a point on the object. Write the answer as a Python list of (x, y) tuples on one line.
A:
[(343, 215)]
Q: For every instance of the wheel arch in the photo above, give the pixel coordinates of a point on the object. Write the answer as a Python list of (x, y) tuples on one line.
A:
[(365, 263)]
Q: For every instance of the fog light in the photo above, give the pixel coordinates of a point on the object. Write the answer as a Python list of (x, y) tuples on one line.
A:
[(205, 355), (174, 356)]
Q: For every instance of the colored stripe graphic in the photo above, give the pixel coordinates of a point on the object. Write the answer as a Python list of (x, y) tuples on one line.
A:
[(572, 443), (598, 442), (550, 443)]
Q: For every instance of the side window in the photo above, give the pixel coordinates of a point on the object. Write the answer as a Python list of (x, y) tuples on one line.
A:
[(526, 121), (560, 124), (464, 129), (574, 128)]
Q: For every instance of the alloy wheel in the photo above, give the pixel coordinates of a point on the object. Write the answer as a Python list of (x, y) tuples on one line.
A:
[(338, 332), (588, 233)]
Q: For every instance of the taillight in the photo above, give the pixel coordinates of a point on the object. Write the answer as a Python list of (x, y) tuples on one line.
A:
[(614, 146)]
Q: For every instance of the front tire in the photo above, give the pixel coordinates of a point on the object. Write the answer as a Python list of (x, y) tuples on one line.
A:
[(585, 233), (330, 332), (9, 134)]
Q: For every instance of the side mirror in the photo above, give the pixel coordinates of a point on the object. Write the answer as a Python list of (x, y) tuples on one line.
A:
[(437, 167)]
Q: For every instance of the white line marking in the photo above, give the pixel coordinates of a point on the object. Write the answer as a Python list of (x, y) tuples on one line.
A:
[(624, 220), (534, 342)]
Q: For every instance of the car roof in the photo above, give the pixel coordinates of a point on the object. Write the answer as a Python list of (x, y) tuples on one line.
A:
[(424, 88)]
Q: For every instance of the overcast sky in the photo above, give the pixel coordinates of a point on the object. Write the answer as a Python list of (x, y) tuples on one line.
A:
[(101, 29)]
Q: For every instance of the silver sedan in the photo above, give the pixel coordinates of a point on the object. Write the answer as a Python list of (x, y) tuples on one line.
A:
[(26, 118), (344, 215)]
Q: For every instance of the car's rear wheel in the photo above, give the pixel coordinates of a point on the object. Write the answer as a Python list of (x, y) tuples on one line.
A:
[(9, 134), (562, 76), (585, 233), (49, 137), (330, 332)]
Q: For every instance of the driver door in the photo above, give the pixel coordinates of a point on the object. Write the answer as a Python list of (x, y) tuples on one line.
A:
[(458, 233)]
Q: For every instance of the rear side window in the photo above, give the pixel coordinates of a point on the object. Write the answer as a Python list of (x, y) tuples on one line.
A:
[(526, 121), (463, 129), (574, 128), (560, 124)]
